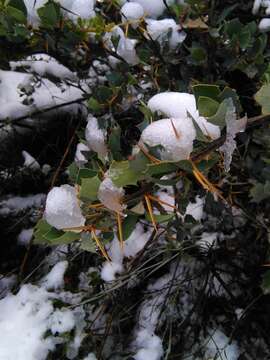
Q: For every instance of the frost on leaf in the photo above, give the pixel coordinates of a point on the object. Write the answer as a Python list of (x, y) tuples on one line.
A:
[(111, 196), (233, 127)]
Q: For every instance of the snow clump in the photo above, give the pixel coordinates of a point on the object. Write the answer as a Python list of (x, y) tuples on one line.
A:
[(182, 106), (132, 12), (63, 209), (159, 30), (264, 24), (95, 137), (178, 142), (80, 158), (73, 9)]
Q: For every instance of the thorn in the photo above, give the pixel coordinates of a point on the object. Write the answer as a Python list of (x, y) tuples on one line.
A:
[(120, 230), (150, 210), (150, 157), (161, 201), (206, 184), (99, 245), (177, 135)]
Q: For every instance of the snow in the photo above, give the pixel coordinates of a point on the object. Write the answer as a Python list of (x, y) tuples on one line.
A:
[(6, 284), (20, 203), (180, 105), (131, 12), (207, 239), (125, 47), (29, 161), (73, 9), (196, 209), (80, 158), (25, 318), (159, 30), (178, 142), (147, 344), (95, 137), (111, 195), (218, 347), (55, 278), (132, 246), (25, 236), (44, 94), (61, 321), (256, 6), (264, 25), (63, 209), (150, 346), (109, 270), (43, 65), (153, 8), (90, 356)]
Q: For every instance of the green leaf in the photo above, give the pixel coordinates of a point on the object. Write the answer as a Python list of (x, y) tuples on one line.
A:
[(94, 105), (103, 94), (115, 78), (260, 192), (121, 174), (76, 174), (160, 169), (49, 14), (198, 54), (199, 134), (229, 93), (17, 14), (139, 162), (88, 244), (129, 225), (263, 98), (46, 234), (18, 4), (89, 188), (160, 218), (207, 106), (220, 115), (114, 143), (209, 91)]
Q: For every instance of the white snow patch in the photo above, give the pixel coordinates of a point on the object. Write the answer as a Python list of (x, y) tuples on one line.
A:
[(74, 9), (55, 278), (196, 209), (132, 13), (25, 318), (43, 65), (90, 356), (44, 94), (178, 142), (179, 106), (96, 137), (218, 347), (20, 203), (207, 240), (80, 158), (125, 47), (25, 236), (63, 208), (134, 244), (29, 161), (159, 30)]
